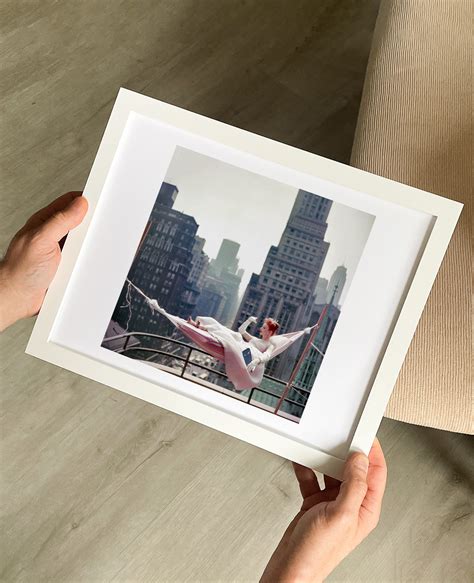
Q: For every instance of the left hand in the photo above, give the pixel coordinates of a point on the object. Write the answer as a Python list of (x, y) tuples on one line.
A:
[(253, 365), (33, 256)]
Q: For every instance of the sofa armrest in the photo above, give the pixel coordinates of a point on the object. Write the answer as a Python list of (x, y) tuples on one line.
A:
[(415, 126)]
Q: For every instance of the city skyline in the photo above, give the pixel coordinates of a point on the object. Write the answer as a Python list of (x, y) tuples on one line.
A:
[(321, 278), (241, 198), (328, 291)]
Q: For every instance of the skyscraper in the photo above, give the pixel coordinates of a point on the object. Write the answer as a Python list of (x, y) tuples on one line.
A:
[(226, 258), (211, 300), (321, 291), (200, 264), (161, 267), (310, 367), (338, 279), (223, 279), (284, 288)]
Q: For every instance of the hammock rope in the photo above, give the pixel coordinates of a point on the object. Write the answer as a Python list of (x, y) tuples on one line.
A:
[(317, 349)]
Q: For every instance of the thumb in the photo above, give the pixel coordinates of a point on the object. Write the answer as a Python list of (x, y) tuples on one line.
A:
[(354, 483), (62, 221)]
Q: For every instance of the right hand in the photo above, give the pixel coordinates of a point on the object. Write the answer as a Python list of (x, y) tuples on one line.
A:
[(253, 320), (33, 256), (331, 522)]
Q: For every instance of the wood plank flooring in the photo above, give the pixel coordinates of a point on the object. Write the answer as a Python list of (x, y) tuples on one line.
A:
[(98, 486)]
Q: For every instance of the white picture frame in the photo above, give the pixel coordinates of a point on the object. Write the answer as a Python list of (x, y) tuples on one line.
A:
[(361, 425)]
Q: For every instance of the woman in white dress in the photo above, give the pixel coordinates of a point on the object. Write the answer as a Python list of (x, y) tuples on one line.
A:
[(244, 355), (264, 345)]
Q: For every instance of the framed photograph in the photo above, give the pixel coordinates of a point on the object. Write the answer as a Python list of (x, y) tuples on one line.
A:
[(259, 289)]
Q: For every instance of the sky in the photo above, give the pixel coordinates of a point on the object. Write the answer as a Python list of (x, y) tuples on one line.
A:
[(232, 203)]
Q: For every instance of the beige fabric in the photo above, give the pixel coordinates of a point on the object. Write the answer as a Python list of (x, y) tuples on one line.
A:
[(415, 126)]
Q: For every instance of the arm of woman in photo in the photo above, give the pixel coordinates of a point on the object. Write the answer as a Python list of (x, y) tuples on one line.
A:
[(33, 256), (243, 328), (263, 359), (331, 522)]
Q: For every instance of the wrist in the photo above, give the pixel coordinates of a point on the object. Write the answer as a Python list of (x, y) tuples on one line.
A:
[(306, 563), (9, 302)]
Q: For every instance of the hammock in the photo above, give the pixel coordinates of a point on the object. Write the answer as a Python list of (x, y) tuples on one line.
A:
[(227, 345)]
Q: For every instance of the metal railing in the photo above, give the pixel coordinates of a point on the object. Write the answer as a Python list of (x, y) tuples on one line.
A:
[(186, 360)]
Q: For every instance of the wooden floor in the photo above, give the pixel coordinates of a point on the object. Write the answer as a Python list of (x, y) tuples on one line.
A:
[(96, 485)]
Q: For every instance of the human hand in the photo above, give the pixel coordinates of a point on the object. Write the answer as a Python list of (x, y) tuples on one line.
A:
[(253, 320), (33, 256), (253, 364), (331, 522)]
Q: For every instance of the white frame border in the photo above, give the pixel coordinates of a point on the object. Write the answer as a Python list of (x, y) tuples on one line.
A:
[(445, 211)]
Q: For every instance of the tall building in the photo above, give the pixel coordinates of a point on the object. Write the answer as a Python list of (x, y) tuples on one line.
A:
[(321, 291), (161, 268), (284, 288), (230, 283), (226, 258), (327, 315), (167, 195), (310, 367), (211, 300), (223, 279), (337, 282), (200, 264)]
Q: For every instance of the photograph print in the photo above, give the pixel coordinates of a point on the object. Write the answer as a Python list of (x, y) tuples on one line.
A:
[(238, 283)]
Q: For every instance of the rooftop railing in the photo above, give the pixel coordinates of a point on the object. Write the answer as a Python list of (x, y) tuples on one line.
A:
[(293, 409)]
